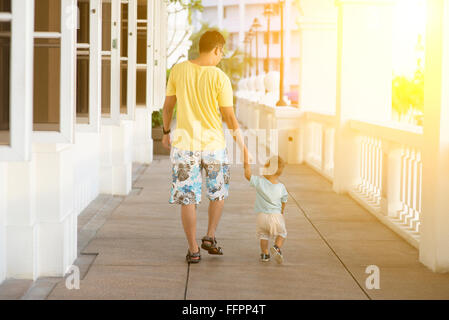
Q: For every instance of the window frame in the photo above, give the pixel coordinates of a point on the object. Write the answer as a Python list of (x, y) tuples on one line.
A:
[(21, 81), (131, 59), (114, 55), (67, 81), (144, 66), (95, 56), (158, 54)]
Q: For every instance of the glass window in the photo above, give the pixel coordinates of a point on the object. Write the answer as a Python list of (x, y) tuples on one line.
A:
[(142, 43), (141, 87), (106, 86), (82, 87), (83, 22), (47, 61), (47, 65), (47, 16), (106, 61), (124, 31), (82, 76), (124, 59), (5, 5), (123, 86), (5, 65), (142, 12), (141, 77), (106, 27)]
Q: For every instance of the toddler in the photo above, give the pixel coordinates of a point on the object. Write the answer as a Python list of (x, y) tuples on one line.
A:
[(271, 197)]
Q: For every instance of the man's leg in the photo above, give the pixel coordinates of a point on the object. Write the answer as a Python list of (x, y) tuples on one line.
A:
[(188, 216), (215, 210)]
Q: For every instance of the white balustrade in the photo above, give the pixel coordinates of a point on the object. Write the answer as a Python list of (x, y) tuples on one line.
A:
[(389, 182)]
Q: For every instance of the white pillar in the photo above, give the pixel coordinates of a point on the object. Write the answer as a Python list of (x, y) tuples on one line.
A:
[(318, 64), (55, 214), (3, 180), (287, 47), (142, 141), (220, 14), (116, 158), (197, 24), (86, 165), (21, 227), (434, 248), (363, 79), (242, 22)]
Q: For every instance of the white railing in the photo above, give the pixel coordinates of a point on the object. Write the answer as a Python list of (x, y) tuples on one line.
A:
[(389, 178), (319, 142)]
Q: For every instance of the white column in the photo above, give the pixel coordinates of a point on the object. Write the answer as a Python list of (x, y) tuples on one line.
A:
[(287, 47), (363, 79), (220, 14), (318, 64), (197, 22), (116, 158), (3, 180), (21, 228), (86, 166), (241, 22), (142, 141), (434, 249), (55, 214)]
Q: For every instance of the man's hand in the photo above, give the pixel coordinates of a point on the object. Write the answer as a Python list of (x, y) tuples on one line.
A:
[(166, 143)]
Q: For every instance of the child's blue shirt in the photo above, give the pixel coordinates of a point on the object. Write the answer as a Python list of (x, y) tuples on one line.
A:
[(269, 196)]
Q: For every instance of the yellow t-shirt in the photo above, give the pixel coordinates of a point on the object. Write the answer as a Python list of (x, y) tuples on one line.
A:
[(200, 91)]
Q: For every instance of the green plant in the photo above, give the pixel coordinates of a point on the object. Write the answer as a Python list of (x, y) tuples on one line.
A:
[(190, 5), (408, 93), (156, 119)]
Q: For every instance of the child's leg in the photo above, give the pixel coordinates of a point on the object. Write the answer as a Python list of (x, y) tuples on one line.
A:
[(279, 241), (264, 246)]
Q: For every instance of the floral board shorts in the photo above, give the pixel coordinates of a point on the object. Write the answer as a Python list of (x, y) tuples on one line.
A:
[(187, 175)]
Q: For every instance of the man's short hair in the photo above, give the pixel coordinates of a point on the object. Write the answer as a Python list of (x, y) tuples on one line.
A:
[(210, 39)]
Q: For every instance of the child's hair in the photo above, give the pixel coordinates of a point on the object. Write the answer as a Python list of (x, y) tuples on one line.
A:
[(274, 166)]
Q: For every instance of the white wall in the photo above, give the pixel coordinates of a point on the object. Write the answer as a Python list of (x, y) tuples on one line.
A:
[(3, 173), (86, 169)]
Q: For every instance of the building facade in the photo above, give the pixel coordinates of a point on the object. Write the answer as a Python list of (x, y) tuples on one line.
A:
[(236, 17), (79, 80)]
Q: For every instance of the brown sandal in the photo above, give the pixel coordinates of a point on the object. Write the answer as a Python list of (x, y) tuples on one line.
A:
[(193, 257), (212, 247)]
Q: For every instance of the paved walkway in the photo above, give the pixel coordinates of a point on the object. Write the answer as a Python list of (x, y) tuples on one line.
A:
[(139, 248)]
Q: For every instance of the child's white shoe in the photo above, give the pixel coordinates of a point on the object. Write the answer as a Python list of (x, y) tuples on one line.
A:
[(277, 254)]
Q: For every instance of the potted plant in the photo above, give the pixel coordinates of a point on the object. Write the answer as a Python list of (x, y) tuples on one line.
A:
[(157, 133)]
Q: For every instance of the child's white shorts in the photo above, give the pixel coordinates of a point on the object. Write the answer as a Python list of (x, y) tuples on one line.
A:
[(270, 225)]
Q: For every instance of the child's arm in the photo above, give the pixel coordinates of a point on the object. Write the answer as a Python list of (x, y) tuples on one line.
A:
[(247, 170), (283, 206)]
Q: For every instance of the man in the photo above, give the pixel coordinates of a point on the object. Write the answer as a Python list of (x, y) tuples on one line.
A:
[(202, 92)]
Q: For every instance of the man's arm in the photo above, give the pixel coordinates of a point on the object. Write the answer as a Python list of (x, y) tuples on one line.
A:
[(167, 115), (283, 206), (231, 121)]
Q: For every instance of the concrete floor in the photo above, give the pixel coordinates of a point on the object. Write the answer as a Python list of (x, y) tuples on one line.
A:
[(134, 248), (331, 240)]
